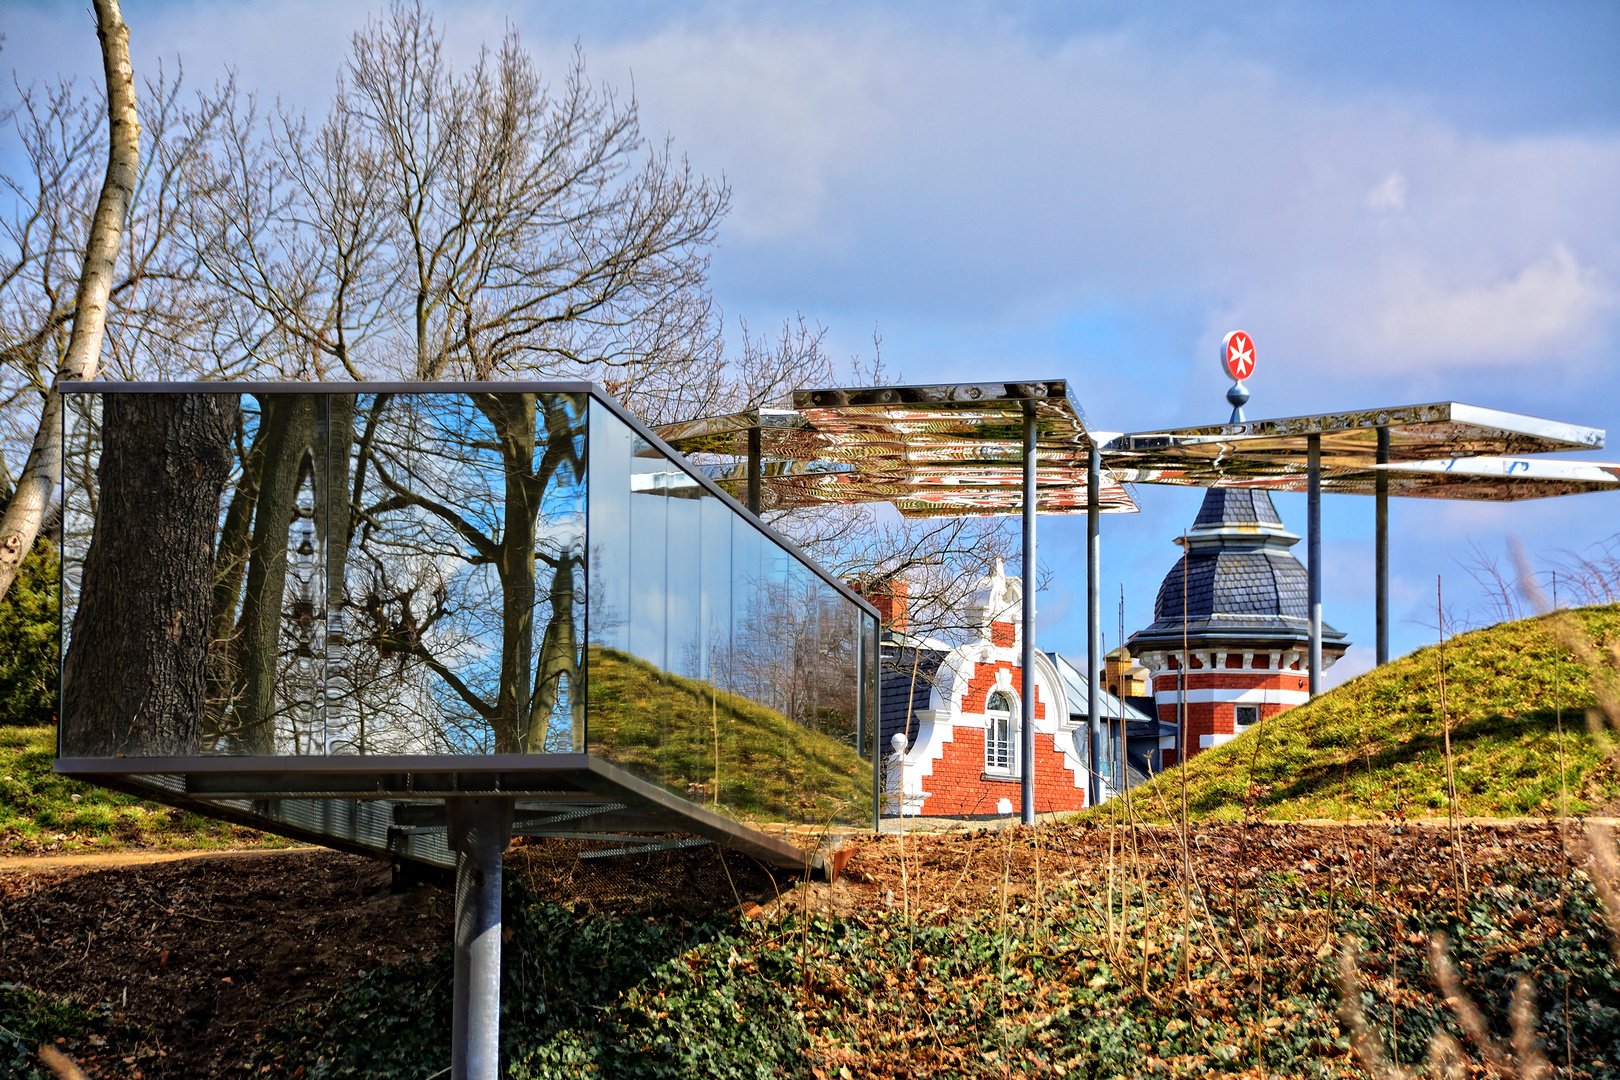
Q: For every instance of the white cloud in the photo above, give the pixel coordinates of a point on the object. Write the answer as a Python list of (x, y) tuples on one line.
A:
[(1390, 195), (1549, 303)]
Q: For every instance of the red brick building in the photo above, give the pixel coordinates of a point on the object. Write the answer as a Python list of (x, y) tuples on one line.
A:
[(1235, 606), (954, 711)]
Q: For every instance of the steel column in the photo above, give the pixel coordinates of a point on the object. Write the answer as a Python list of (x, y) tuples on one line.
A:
[(479, 830), (1094, 619), (1313, 547), (871, 683), (756, 450), (1381, 546), (1026, 719)]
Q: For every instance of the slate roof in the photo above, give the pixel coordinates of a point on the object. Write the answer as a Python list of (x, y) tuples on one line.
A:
[(1243, 586), (896, 685), (1236, 506)]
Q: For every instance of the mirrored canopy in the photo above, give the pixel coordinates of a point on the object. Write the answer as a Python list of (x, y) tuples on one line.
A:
[(324, 609), (1487, 479), (929, 450), (1440, 450)]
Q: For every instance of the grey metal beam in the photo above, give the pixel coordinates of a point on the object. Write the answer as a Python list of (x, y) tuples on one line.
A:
[(1026, 720), (755, 452), (1313, 544), (1381, 547), (480, 829), (1094, 619)]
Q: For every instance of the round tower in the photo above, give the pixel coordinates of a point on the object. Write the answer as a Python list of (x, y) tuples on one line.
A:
[(1236, 603)]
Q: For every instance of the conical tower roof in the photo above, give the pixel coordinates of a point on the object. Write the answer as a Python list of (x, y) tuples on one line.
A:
[(1238, 586)]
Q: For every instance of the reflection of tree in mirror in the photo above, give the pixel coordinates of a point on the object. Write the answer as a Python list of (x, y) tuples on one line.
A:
[(467, 517), (376, 569)]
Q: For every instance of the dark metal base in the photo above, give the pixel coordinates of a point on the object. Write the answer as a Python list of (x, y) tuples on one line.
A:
[(397, 804)]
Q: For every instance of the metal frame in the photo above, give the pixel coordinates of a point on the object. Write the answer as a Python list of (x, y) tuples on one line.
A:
[(560, 777)]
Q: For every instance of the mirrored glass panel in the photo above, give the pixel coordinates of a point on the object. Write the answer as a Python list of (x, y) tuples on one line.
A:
[(736, 682), (334, 572), (292, 574)]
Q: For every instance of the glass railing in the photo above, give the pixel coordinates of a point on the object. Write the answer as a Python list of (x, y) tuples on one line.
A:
[(292, 571)]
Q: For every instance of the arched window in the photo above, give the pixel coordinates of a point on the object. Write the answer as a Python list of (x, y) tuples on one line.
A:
[(999, 756)]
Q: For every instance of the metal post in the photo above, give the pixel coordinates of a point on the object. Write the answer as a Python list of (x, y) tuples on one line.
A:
[(1094, 617), (1026, 720), (871, 681), (1381, 546), (756, 450), (479, 831), (1313, 547)]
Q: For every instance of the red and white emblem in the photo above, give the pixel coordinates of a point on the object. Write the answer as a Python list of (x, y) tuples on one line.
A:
[(1237, 355)]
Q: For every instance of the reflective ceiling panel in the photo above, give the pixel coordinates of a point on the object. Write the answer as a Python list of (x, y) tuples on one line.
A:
[(1486, 479), (929, 450)]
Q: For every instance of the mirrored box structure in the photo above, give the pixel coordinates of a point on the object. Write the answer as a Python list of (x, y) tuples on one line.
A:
[(324, 608)]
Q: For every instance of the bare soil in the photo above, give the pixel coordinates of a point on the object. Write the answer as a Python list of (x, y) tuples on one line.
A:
[(197, 957)]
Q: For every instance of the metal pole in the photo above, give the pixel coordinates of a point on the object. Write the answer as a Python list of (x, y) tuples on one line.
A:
[(1026, 724), (1313, 546), (1094, 616), (479, 831), (871, 682), (1381, 546), (756, 450)]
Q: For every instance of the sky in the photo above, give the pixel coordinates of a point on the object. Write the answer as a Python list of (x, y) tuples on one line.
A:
[(1400, 202)]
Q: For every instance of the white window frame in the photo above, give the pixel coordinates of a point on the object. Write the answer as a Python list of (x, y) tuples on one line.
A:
[(1238, 711), (1000, 746)]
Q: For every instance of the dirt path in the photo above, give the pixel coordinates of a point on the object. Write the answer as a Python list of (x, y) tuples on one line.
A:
[(104, 860)]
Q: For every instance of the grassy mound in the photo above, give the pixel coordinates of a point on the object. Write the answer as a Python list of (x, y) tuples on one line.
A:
[(687, 734), (41, 811), (1375, 746)]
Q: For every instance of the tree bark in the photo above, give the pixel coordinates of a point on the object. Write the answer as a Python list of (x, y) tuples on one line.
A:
[(43, 473), (513, 417), (135, 677), (289, 421)]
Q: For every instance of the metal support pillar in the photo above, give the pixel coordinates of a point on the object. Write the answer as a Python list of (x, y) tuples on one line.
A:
[(1381, 546), (1026, 719), (756, 451), (1313, 547), (479, 830), (1099, 751)]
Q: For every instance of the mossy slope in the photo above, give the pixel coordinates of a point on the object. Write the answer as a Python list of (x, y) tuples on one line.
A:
[(1375, 746), (42, 811), (668, 728)]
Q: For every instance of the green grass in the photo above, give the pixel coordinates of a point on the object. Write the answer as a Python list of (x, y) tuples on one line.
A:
[(41, 811), (666, 728), (1374, 746)]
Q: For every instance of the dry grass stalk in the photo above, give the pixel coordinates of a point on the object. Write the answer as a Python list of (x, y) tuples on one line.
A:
[(60, 1064), (1464, 1009), (1526, 1047), (1459, 869), (1364, 1040), (1605, 871)]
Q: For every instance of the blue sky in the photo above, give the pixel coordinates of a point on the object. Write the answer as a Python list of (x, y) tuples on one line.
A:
[(1401, 202)]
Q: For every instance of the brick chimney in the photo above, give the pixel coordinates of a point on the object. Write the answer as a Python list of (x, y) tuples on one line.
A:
[(891, 598)]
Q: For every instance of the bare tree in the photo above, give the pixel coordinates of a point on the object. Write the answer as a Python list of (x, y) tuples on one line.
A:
[(476, 224), (37, 483)]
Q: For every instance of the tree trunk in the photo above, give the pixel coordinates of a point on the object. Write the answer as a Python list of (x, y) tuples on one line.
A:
[(230, 566), (513, 417), (558, 663), (289, 420), (135, 677), (43, 473)]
